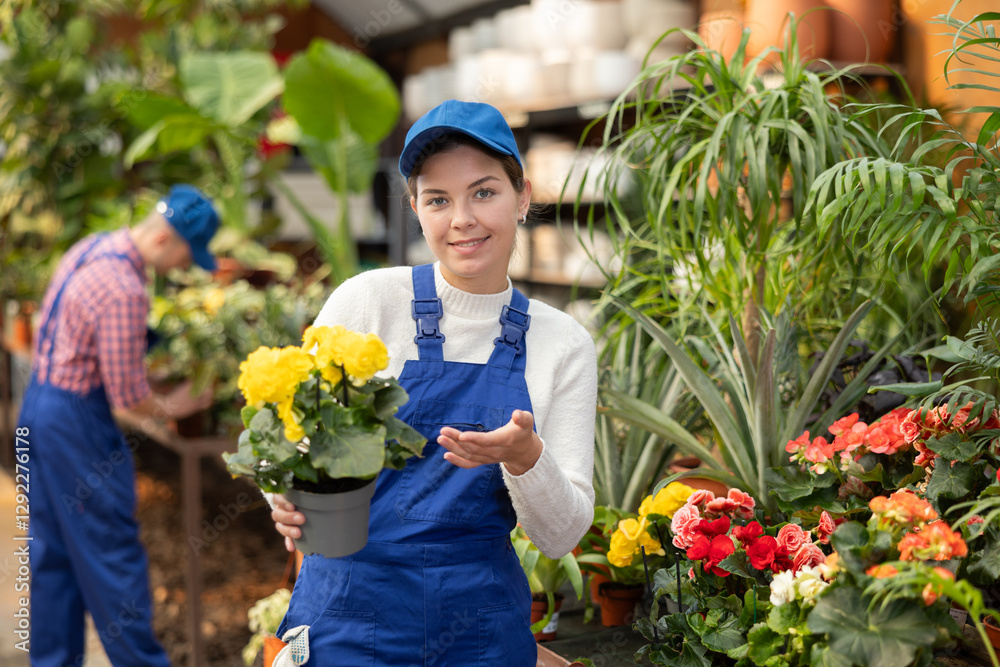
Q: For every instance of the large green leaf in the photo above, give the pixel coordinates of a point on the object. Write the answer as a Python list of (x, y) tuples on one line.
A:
[(230, 87), (362, 160), (951, 481), (151, 109), (953, 447), (724, 636), (178, 132), (875, 636), (329, 89), (346, 449)]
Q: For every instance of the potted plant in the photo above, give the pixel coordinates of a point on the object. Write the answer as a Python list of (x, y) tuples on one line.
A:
[(545, 577), (319, 428), (264, 618)]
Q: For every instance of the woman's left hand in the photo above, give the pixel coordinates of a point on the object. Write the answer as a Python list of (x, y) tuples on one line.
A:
[(514, 444)]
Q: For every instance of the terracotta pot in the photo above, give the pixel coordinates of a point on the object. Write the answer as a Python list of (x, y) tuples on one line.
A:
[(722, 31), (21, 331), (228, 270), (272, 646), (540, 607), (992, 631), (618, 603), (862, 21), (687, 463), (767, 22)]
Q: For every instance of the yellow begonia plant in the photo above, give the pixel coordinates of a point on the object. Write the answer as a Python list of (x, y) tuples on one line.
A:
[(317, 411), (635, 533)]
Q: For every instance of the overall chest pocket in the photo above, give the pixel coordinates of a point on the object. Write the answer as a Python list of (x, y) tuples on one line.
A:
[(431, 489)]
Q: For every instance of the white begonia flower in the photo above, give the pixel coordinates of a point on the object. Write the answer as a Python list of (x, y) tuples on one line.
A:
[(809, 582), (782, 588)]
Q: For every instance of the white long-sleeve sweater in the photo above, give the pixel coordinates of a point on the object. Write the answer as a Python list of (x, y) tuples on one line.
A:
[(554, 500)]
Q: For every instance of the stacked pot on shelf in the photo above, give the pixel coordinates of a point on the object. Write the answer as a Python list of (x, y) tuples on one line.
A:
[(551, 53), (843, 31)]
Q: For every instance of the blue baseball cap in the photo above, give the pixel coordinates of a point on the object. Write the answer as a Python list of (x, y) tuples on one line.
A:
[(482, 122), (193, 216)]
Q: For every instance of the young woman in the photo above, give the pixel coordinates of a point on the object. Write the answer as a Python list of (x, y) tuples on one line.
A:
[(503, 387)]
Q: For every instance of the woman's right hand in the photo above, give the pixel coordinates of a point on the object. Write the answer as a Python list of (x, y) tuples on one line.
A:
[(287, 519)]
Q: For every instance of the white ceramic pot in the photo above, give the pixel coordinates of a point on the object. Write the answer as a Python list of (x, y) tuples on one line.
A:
[(597, 26), (484, 33), (514, 29), (461, 42), (550, 23), (415, 96), (521, 80), (602, 76), (489, 87)]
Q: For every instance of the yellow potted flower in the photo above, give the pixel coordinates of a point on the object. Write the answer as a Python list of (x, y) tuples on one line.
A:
[(632, 536), (319, 427)]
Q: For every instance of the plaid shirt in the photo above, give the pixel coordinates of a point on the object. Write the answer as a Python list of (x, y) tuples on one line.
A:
[(100, 329)]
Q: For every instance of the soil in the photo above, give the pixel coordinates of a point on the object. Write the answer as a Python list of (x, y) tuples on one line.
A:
[(241, 563)]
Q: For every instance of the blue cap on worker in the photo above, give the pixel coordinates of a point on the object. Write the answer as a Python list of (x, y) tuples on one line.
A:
[(195, 219), (482, 122)]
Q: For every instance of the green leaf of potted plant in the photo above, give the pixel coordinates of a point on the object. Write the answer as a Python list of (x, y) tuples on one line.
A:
[(545, 577), (319, 428)]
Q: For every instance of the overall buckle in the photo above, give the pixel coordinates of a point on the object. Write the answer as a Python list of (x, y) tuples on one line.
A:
[(513, 324), (426, 313)]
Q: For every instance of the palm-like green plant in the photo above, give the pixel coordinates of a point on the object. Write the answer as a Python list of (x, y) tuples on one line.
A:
[(902, 203), (709, 171)]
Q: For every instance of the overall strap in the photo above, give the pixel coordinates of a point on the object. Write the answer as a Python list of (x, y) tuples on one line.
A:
[(427, 310), (509, 346), (44, 335)]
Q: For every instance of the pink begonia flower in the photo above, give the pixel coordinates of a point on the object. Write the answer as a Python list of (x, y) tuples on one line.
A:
[(683, 525), (791, 537), (826, 527), (818, 451), (910, 428), (809, 555), (794, 446), (744, 503), (720, 506), (700, 497)]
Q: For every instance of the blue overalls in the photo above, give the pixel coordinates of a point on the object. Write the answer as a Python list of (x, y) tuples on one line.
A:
[(438, 583), (85, 551)]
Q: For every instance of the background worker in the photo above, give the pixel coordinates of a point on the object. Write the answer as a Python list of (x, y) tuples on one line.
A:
[(89, 360)]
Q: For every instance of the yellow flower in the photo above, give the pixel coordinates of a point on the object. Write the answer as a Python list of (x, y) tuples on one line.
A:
[(670, 499), (626, 540), (360, 355), (214, 300), (270, 375), (293, 430), (367, 355)]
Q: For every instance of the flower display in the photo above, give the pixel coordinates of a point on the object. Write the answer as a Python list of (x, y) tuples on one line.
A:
[(901, 509), (901, 430), (933, 541), (317, 411)]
